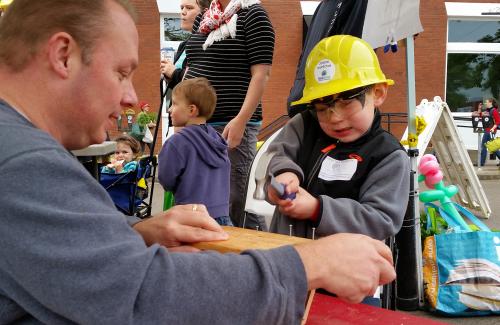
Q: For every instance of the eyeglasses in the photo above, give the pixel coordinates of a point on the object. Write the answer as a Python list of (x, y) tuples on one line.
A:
[(343, 105)]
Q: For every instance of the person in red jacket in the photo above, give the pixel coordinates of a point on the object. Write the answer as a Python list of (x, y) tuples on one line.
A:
[(491, 119)]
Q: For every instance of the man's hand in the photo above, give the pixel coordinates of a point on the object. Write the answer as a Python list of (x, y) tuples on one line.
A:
[(350, 265), (181, 224), (233, 132)]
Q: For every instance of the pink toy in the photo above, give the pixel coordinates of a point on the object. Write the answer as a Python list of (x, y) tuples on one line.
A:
[(433, 178), (429, 167)]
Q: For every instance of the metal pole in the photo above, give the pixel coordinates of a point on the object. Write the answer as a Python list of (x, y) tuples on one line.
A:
[(409, 286), (479, 148)]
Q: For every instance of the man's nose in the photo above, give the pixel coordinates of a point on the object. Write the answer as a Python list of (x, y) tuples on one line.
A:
[(129, 98)]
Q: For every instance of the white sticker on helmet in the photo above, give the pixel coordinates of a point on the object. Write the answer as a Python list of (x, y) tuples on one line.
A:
[(324, 71)]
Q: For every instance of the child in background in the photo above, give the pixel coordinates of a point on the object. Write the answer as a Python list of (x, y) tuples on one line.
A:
[(127, 150), (194, 162), (349, 175)]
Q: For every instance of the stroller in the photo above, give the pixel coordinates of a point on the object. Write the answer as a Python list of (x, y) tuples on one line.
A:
[(130, 190)]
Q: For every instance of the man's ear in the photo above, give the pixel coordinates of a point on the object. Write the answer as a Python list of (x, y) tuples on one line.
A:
[(379, 94), (62, 50)]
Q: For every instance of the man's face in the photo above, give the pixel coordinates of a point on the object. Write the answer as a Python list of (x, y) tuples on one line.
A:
[(102, 89)]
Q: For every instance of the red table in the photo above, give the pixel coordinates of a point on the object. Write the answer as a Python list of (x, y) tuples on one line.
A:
[(330, 310)]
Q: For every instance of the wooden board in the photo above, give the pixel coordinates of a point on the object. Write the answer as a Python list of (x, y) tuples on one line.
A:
[(242, 239)]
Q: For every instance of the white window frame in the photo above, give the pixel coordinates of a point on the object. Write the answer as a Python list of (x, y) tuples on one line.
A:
[(472, 12)]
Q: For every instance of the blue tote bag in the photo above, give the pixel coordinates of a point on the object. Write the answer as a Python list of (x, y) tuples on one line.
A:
[(462, 268)]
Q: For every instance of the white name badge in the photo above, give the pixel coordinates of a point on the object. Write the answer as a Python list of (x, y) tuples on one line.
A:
[(337, 170)]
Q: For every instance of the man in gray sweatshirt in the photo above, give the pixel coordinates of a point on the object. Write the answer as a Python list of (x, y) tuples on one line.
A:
[(66, 254)]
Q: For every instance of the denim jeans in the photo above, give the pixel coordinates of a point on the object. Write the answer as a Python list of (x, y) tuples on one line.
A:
[(224, 221), (241, 159)]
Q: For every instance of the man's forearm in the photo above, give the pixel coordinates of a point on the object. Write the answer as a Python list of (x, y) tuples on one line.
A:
[(260, 76)]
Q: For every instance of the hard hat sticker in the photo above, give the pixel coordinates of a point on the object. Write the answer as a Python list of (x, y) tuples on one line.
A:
[(324, 71)]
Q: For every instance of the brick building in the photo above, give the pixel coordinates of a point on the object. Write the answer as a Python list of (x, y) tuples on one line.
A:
[(430, 51)]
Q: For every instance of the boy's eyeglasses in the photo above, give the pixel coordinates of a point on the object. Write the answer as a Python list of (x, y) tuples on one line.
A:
[(343, 105)]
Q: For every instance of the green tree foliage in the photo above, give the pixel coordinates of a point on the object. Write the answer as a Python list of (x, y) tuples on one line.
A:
[(462, 74), (473, 70), (491, 64)]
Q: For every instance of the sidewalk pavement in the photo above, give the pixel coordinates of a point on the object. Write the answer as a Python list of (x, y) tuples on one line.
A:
[(488, 171)]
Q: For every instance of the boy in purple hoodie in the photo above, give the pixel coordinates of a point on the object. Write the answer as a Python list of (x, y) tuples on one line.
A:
[(194, 163)]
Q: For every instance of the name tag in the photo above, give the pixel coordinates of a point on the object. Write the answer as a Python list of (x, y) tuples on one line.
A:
[(337, 170)]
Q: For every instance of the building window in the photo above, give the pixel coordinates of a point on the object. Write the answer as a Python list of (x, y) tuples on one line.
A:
[(173, 31), (472, 31), (471, 78), (473, 54)]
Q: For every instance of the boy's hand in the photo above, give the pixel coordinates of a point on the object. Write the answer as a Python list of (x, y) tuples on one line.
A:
[(291, 182), (303, 207)]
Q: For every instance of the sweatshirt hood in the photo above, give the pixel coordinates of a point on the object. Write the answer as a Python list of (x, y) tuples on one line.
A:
[(208, 143)]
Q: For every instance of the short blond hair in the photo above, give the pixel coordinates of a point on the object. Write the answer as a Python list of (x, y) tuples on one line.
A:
[(27, 23), (198, 92)]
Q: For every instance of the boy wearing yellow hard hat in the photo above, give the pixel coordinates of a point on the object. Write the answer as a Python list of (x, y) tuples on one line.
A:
[(3, 6), (349, 175)]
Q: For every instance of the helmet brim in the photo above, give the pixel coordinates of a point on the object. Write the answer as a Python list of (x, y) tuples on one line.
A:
[(332, 90)]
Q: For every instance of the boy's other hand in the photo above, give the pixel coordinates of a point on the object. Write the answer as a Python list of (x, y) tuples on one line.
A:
[(302, 207)]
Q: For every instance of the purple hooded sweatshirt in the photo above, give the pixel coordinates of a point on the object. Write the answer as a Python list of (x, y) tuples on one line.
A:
[(194, 165)]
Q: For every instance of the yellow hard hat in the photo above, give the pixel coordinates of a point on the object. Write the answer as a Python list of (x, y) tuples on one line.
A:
[(5, 3), (340, 63)]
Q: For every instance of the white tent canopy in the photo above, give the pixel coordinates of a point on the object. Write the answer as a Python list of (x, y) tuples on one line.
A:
[(384, 19)]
